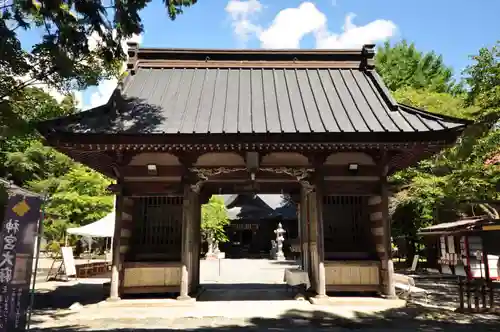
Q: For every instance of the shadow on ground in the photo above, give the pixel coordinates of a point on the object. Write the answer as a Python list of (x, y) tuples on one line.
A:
[(442, 289), (405, 319), (285, 262), (64, 296), (245, 292)]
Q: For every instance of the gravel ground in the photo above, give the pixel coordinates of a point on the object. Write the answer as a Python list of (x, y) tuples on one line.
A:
[(408, 319)]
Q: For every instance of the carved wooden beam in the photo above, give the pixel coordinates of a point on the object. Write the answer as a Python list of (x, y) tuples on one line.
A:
[(205, 173), (297, 173)]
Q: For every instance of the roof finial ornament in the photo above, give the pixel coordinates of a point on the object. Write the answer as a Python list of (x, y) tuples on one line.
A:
[(132, 54), (368, 53)]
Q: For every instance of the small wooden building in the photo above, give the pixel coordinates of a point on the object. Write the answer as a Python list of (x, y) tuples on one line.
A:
[(468, 248), (184, 124)]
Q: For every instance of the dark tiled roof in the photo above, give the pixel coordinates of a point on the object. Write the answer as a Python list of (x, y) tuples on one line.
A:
[(247, 206), (272, 98)]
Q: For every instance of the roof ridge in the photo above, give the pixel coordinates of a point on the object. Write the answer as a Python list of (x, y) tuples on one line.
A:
[(362, 58), (379, 84)]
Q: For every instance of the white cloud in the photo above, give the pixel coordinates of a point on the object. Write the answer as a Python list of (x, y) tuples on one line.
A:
[(291, 25), (104, 91), (241, 14), (354, 36)]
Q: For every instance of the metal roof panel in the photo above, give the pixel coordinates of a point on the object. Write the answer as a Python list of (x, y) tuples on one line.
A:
[(244, 100)]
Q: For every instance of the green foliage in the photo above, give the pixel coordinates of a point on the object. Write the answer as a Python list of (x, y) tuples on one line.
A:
[(66, 57), (22, 153), (77, 198), (401, 65), (458, 181), (77, 195), (436, 102), (484, 79), (213, 219)]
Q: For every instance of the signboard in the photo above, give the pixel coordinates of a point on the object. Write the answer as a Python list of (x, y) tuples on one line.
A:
[(69, 261), (17, 243)]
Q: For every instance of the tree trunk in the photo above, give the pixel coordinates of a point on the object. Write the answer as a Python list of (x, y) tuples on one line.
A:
[(491, 211)]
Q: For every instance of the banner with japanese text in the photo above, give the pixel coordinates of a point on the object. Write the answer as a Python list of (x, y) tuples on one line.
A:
[(17, 246)]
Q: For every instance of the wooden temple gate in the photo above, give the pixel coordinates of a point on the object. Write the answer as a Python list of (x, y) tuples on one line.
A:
[(186, 124)]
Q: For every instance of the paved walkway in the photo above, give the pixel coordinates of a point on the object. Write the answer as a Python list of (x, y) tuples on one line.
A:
[(241, 295), (244, 280)]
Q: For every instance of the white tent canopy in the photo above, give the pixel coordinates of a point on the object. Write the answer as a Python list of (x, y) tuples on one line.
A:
[(104, 227)]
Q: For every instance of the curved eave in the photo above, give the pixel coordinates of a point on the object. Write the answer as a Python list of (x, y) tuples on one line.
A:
[(362, 138), (448, 122), (49, 127)]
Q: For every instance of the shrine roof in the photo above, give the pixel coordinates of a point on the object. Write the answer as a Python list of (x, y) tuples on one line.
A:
[(463, 225), (191, 92)]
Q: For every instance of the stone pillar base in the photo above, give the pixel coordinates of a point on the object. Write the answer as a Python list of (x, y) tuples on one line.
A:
[(185, 298), (113, 299), (320, 299), (390, 297)]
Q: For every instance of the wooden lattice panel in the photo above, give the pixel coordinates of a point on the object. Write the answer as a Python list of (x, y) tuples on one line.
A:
[(346, 227), (157, 233)]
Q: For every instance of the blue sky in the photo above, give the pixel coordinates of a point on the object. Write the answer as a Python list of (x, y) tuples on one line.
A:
[(455, 29)]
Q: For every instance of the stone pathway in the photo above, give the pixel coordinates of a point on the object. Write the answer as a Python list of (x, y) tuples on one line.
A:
[(244, 280), (246, 295), (244, 271)]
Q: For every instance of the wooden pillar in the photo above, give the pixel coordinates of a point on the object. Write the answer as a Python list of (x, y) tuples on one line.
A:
[(315, 234), (320, 239), (196, 229), (312, 195), (389, 289), (114, 290), (311, 235), (304, 245), (191, 235), (186, 243)]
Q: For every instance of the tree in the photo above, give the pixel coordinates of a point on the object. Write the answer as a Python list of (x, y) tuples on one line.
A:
[(401, 65), (77, 195), (81, 43), (459, 181), (213, 219), (436, 102), (484, 79), (77, 198), (18, 118)]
